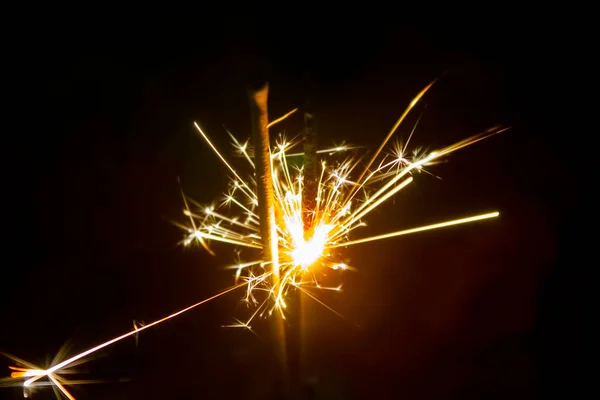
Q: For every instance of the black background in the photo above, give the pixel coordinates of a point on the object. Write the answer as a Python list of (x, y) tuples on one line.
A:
[(100, 116)]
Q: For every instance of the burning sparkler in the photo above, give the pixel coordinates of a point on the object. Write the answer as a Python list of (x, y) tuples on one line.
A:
[(301, 256), (340, 207)]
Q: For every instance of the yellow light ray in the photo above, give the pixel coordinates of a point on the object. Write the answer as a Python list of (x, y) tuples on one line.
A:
[(60, 386), (242, 149), (391, 133), (69, 361), (233, 171), (278, 120), (419, 229), (225, 240)]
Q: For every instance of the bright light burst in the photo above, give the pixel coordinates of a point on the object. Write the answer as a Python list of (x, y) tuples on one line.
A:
[(305, 251)]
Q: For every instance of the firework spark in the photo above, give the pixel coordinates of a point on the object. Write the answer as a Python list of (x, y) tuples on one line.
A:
[(32, 373), (341, 206)]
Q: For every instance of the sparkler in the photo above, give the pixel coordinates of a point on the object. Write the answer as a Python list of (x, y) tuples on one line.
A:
[(301, 257), (340, 207)]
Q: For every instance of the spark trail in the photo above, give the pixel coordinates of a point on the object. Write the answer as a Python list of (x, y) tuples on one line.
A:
[(53, 373), (341, 205)]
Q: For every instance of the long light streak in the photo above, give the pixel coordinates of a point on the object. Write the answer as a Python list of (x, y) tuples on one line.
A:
[(419, 229), (50, 372)]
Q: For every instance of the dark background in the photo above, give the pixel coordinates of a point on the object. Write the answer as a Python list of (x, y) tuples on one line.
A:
[(100, 127)]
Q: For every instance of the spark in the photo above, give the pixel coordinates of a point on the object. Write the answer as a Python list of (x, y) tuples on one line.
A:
[(346, 194), (419, 229), (278, 120), (305, 254), (53, 373)]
